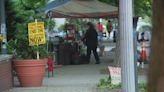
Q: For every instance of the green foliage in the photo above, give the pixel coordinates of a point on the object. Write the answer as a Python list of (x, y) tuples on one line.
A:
[(142, 87), (20, 11), (141, 7), (33, 4), (24, 11), (10, 46), (106, 84), (50, 24), (80, 24), (23, 50), (61, 27)]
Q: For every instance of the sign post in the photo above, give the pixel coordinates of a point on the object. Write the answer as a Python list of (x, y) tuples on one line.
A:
[(36, 26), (36, 34), (3, 27)]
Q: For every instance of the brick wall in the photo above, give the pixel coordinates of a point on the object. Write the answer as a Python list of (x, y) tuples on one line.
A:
[(5, 76)]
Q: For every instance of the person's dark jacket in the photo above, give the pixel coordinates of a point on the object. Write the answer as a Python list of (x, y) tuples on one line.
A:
[(90, 38)]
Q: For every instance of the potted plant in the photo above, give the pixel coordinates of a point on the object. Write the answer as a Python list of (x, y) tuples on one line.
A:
[(29, 61), (30, 70)]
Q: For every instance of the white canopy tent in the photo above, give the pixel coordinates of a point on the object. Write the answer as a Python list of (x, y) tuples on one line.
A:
[(84, 9)]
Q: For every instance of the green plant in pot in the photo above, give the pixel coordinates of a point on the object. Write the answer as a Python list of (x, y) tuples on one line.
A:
[(30, 69), (30, 61)]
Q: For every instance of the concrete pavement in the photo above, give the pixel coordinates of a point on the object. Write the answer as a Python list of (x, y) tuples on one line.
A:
[(76, 78)]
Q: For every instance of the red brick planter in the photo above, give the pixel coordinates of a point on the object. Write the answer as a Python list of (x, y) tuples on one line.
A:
[(5, 75)]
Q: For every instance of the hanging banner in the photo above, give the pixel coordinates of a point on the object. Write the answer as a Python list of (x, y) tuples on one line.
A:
[(36, 34)]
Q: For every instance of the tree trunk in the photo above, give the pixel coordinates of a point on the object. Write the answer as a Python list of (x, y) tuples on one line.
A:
[(156, 70)]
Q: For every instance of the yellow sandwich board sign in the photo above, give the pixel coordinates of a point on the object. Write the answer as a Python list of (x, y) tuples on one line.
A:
[(36, 34)]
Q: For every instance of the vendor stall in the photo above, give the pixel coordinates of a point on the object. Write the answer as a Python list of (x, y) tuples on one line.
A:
[(69, 49)]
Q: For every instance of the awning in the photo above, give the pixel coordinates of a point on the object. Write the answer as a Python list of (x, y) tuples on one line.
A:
[(84, 9)]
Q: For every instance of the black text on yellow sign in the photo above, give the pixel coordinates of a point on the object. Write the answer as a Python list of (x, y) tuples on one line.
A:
[(34, 39), (36, 33)]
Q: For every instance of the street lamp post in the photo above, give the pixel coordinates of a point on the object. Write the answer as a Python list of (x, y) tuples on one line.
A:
[(127, 46), (3, 26)]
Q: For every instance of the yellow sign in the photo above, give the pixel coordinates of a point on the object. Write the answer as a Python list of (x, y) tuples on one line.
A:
[(36, 34), (1, 37)]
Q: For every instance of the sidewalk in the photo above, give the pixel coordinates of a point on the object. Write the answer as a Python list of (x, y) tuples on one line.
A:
[(76, 78), (60, 89)]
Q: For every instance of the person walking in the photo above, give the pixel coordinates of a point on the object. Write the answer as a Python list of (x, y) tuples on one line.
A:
[(91, 42), (114, 35), (109, 27), (100, 31), (100, 38)]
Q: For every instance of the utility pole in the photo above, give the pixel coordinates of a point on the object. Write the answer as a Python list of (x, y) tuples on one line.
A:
[(3, 26), (127, 46)]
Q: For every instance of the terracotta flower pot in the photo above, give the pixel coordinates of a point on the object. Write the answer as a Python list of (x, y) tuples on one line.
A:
[(30, 72)]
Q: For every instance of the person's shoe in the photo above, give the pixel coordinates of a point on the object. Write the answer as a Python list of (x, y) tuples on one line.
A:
[(97, 63)]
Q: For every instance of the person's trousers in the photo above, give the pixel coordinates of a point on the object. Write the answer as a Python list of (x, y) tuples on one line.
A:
[(94, 50), (100, 36)]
